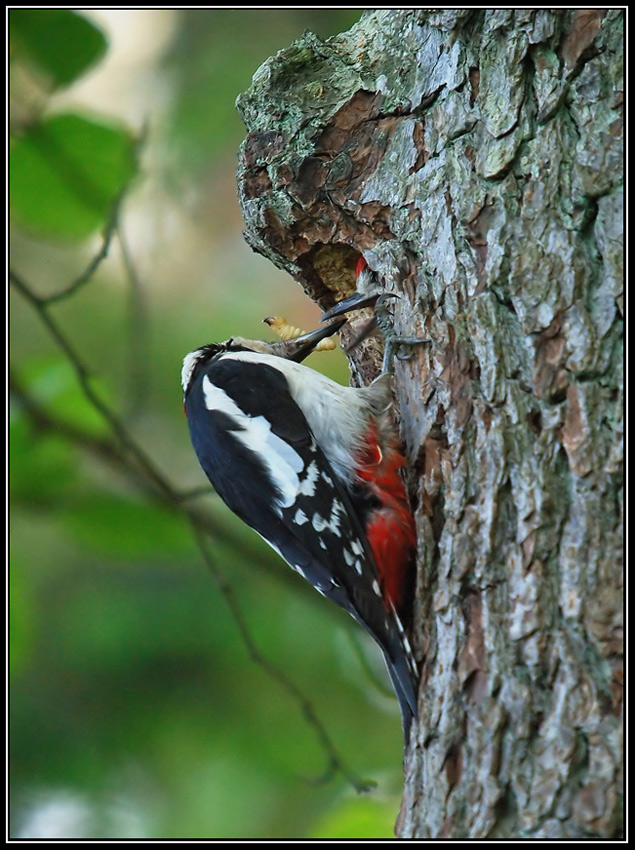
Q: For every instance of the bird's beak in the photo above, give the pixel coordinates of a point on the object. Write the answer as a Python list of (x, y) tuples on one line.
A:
[(301, 346), (353, 302)]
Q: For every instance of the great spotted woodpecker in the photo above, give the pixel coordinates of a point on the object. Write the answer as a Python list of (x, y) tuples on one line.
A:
[(314, 468)]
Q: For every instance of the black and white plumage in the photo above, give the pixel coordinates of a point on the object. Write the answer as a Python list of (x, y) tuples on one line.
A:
[(279, 443)]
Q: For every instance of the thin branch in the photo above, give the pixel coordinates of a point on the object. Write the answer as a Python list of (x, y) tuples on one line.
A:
[(100, 256), (112, 227), (43, 421), (40, 305), (335, 762), (108, 451)]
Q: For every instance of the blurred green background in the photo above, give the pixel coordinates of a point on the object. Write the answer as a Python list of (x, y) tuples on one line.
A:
[(136, 710)]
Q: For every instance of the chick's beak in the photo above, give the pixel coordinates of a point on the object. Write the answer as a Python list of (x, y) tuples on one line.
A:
[(353, 302)]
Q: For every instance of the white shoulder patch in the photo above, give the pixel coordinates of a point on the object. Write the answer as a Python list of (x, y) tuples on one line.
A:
[(282, 462), (189, 362)]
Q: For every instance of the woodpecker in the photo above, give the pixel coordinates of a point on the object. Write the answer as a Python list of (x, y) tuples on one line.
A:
[(314, 468)]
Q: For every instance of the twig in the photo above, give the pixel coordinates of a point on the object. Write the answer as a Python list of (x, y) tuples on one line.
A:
[(335, 762), (40, 305), (96, 261), (108, 451)]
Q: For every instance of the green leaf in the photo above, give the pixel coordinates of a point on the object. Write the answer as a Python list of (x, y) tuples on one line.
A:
[(61, 43), (66, 173)]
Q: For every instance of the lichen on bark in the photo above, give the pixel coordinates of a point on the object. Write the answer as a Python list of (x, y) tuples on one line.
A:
[(474, 158)]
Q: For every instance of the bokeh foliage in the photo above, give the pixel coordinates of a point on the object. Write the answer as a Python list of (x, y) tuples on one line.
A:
[(135, 708)]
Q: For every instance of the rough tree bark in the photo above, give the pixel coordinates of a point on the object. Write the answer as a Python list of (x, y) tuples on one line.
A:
[(474, 158)]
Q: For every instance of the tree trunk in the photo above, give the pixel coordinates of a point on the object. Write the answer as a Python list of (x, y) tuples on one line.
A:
[(474, 158)]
